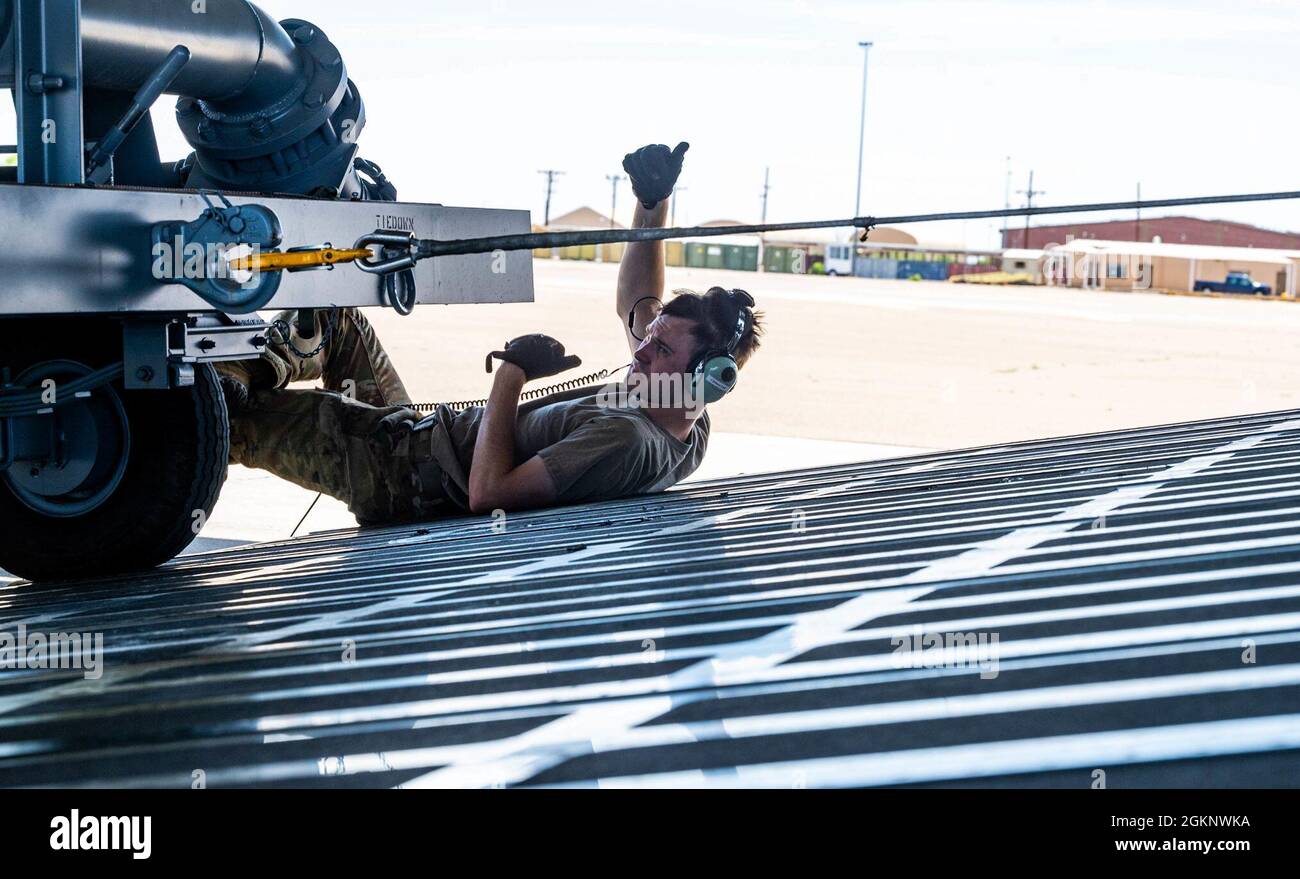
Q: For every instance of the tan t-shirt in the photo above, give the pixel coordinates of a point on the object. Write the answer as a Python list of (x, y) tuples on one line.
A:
[(593, 450)]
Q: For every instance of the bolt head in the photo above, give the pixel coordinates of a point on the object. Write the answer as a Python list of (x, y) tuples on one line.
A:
[(144, 374), (304, 35), (314, 100)]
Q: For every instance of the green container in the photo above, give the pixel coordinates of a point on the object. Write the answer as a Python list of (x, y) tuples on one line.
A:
[(739, 258), (777, 259)]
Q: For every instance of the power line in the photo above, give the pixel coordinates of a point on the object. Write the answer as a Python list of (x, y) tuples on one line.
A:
[(425, 248)]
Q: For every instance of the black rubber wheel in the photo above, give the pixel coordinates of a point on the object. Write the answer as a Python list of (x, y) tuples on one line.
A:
[(179, 444)]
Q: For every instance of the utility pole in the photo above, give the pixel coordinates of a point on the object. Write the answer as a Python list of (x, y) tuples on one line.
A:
[(762, 242), (672, 210), (551, 174), (614, 180), (1137, 223), (1006, 202), (1029, 203), (862, 145)]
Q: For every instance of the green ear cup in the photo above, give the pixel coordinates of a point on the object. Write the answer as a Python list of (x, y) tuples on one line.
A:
[(715, 373), (715, 378)]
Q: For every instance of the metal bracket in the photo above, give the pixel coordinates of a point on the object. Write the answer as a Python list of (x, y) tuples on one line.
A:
[(145, 355), (48, 91), (215, 338), (159, 354)]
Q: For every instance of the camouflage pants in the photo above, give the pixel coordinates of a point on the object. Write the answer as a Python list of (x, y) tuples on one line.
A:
[(351, 439)]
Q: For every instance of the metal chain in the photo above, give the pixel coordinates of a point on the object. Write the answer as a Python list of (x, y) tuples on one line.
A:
[(282, 328)]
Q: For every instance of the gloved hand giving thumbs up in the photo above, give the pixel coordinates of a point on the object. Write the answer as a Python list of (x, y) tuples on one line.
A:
[(537, 355), (654, 170)]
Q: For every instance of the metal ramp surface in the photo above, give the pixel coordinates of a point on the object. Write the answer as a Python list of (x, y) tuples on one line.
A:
[(1143, 587)]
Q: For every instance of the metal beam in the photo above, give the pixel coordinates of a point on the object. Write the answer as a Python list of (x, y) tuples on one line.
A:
[(48, 91), (91, 252)]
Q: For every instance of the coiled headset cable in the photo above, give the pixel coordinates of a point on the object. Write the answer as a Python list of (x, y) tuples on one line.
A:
[(572, 384)]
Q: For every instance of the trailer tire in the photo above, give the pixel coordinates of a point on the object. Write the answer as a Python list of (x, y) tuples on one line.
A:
[(179, 444)]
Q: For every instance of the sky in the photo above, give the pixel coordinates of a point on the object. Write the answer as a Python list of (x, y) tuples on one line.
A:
[(466, 101)]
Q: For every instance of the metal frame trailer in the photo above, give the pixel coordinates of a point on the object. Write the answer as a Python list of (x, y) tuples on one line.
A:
[(117, 297)]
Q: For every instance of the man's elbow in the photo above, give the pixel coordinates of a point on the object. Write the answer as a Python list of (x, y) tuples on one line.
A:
[(482, 502)]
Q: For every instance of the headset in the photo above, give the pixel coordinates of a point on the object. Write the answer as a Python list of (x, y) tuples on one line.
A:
[(714, 373)]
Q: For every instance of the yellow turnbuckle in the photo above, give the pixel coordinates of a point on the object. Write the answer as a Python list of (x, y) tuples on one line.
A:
[(299, 259)]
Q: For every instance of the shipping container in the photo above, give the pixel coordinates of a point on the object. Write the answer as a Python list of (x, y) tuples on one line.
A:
[(716, 255), (928, 271), (875, 267), (740, 259), (789, 259)]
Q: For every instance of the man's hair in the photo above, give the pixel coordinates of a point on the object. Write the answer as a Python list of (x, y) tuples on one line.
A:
[(714, 315)]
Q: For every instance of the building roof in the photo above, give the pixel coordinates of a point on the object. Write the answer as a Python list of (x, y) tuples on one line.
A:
[(890, 235), (1176, 229), (583, 218), (1180, 251)]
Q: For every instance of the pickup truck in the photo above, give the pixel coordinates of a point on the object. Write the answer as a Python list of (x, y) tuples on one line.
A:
[(1236, 282)]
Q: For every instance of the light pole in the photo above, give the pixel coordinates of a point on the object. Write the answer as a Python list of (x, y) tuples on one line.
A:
[(1006, 203), (862, 145), (614, 180)]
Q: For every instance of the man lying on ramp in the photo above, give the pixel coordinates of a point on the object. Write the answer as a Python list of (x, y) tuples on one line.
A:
[(359, 439)]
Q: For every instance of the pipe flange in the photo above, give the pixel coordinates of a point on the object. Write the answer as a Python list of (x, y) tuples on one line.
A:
[(302, 141)]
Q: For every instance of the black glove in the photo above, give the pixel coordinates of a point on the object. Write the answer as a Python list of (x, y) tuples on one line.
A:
[(537, 355), (654, 170)]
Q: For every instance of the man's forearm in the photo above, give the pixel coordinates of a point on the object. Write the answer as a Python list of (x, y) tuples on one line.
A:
[(641, 272), (494, 449)]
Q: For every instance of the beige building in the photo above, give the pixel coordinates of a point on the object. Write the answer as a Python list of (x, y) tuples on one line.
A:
[(580, 220), (1021, 261), (1142, 265)]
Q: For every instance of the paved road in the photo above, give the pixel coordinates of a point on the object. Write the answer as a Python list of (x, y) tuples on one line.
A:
[(924, 364)]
